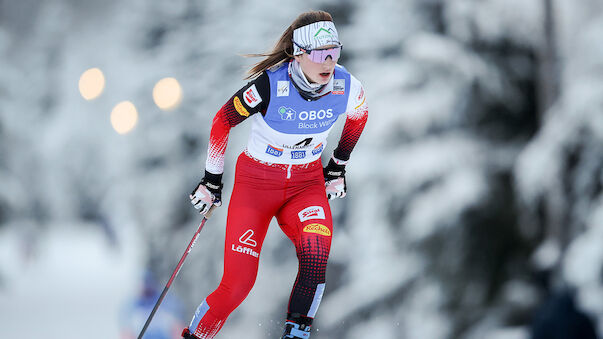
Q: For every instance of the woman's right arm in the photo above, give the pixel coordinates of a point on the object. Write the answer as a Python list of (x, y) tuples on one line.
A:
[(250, 99)]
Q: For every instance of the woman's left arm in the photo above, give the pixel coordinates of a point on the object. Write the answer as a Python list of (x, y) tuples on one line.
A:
[(356, 118)]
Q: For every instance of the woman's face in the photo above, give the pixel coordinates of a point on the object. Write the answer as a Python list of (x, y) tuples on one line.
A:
[(315, 72)]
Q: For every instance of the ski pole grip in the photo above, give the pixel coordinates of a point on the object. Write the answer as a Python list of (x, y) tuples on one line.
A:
[(211, 210)]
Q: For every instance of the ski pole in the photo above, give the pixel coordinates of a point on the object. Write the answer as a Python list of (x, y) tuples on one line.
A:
[(176, 271)]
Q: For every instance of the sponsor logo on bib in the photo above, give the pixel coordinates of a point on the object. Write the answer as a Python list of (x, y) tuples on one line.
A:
[(338, 86), (318, 149), (282, 88), (287, 113), (298, 154), (316, 115), (277, 152)]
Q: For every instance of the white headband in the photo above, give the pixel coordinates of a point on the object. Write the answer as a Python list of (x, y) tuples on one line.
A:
[(314, 35)]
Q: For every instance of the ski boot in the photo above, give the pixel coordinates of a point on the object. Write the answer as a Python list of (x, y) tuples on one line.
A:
[(186, 334), (296, 331)]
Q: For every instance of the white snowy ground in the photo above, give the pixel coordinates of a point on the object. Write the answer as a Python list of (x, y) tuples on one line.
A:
[(72, 287)]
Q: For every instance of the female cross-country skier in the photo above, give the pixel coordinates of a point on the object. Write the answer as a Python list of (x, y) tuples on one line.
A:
[(298, 91)]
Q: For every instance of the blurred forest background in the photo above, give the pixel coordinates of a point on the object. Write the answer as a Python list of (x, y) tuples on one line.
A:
[(474, 206)]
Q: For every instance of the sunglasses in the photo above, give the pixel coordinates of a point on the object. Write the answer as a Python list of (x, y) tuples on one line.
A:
[(319, 56)]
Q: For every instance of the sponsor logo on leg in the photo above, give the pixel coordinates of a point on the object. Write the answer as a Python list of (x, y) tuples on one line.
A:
[(318, 229), (312, 212), (247, 239), (245, 250)]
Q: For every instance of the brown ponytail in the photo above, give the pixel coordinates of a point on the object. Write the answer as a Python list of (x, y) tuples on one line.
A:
[(283, 49)]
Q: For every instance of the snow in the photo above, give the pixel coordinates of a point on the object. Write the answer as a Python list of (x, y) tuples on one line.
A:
[(72, 283)]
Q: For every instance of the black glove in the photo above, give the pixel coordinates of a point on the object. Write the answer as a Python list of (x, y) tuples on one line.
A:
[(207, 193), (335, 184)]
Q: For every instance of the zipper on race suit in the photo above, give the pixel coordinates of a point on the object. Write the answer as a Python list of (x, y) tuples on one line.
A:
[(289, 171)]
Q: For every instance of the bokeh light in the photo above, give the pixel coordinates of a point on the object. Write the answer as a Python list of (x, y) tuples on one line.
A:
[(124, 117), (92, 83), (167, 94)]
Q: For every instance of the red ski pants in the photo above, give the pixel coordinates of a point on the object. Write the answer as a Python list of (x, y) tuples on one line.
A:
[(295, 194)]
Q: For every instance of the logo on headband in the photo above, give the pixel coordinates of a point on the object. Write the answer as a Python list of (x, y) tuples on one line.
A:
[(325, 36), (328, 32), (314, 35)]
